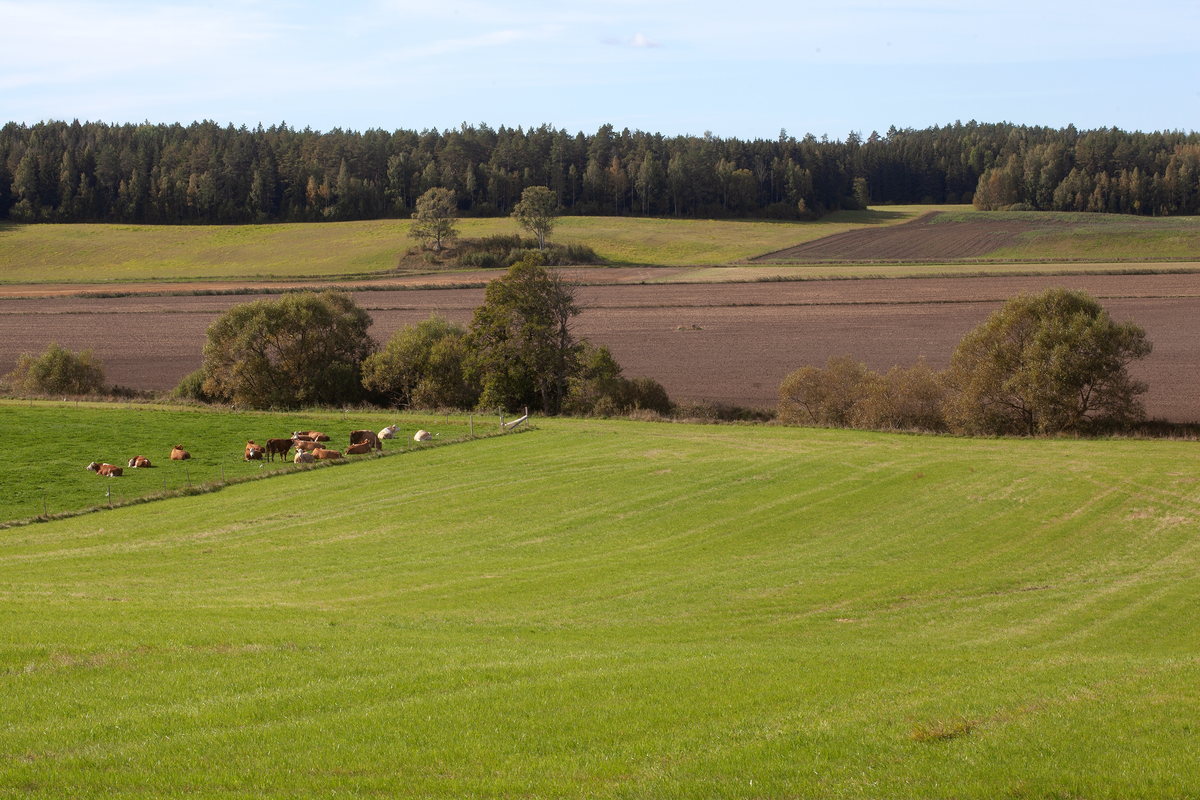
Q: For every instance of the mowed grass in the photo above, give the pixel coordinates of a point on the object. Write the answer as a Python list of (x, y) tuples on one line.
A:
[(42, 478), (1101, 237), (616, 609), (95, 253)]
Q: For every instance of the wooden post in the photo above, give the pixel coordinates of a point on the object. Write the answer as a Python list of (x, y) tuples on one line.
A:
[(188, 473), (472, 424), (222, 473), (45, 507), (501, 410)]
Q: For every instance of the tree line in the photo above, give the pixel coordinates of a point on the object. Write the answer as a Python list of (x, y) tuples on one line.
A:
[(205, 173)]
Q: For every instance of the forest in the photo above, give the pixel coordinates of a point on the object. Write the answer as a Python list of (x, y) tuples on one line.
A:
[(205, 173)]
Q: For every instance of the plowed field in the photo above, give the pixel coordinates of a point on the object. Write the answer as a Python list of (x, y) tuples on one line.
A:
[(724, 342), (923, 239)]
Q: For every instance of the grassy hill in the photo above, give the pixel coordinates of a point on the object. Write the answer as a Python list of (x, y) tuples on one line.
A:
[(617, 609), (92, 253)]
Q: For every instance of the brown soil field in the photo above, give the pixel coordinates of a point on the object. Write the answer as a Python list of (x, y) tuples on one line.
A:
[(731, 343), (919, 240)]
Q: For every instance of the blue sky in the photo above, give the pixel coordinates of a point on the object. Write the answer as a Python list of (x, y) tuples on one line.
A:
[(737, 69)]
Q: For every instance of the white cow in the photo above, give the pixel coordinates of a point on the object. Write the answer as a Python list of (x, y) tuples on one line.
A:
[(302, 457), (388, 433), (422, 436)]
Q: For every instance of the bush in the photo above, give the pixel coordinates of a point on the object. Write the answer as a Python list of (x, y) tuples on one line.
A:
[(58, 371), (422, 367), (502, 251), (191, 387)]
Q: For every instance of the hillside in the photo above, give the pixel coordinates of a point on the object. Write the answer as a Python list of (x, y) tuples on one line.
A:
[(617, 609)]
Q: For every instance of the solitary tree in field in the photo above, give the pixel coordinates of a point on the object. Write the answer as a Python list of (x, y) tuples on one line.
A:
[(434, 217), (537, 212), (1045, 363)]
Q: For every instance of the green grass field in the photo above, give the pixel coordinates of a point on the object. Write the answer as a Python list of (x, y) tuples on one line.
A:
[(94, 253), (616, 609)]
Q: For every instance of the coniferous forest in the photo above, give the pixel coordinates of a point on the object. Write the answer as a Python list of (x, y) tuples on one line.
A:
[(205, 173)]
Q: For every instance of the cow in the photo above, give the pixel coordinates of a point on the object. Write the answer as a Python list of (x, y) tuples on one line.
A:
[(313, 436), (106, 470), (388, 433), (139, 461), (362, 448), (254, 452), (302, 457), (179, 454), (301, 436), (306, 445), (280, 446), (422, 436), (367, 437), (325, 455)]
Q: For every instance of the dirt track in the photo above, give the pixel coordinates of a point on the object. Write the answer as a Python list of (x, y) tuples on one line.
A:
[(923, 239), (726, 342)]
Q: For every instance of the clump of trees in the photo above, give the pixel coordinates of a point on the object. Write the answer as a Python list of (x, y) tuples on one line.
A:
[(304, 349), (519, 351), (57, 371), (1048, 363)]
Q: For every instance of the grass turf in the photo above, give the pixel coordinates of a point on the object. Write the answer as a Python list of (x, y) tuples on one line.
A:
[(616, 609), (91, 253)]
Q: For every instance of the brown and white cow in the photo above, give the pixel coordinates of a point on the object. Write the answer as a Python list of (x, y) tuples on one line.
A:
[(388, 433), (179, 454), (138, 462), (105, 470), (306, 445), (303, 457), (366, 437), (280, 446), (325, 455), (254, 452), (312, 436), (362, 448)]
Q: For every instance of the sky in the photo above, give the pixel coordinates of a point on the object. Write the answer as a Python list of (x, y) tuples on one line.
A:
[(743, 70)]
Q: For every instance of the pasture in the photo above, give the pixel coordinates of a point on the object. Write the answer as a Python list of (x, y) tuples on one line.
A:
[(350, 250), (617, 609), (45, 471)]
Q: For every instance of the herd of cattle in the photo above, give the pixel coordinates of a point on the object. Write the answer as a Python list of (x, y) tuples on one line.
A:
[(309, 448)]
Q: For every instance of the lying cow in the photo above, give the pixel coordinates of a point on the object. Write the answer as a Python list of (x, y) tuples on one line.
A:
[(312, 436), (280, 446), (388, 433), (422, 436), (106, 470), (254, 452), (362, 448), (325, 455), (366, 437), (138, 462), (179, 454), (303, 457), (306, 445)]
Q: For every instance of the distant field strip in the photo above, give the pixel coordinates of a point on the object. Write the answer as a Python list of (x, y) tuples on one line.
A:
[(615, 610), (124, 253), (948, 236)]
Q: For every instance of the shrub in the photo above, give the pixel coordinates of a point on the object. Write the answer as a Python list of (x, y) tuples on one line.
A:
[(422, 366), (191, 387), (58, 371)]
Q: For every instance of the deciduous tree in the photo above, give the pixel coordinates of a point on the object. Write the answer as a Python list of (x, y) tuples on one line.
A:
[(434, 217), (537, 212)]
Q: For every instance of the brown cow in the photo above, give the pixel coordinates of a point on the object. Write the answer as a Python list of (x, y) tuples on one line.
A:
[(280, 446), (138, 462), (306, 445), (315, 436), (106, 470), (179, 454), (254, 452), (362, 448), (303, 457), (367, 437), (324, 455)]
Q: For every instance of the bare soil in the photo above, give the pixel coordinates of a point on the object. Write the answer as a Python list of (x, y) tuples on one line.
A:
[(919, 240), (731, 343)]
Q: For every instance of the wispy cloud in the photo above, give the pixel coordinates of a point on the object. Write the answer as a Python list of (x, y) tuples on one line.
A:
[(638, 40)]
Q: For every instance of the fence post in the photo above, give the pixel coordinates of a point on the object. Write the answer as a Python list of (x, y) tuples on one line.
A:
[(501, 410), (472, 424), (188, 473)]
